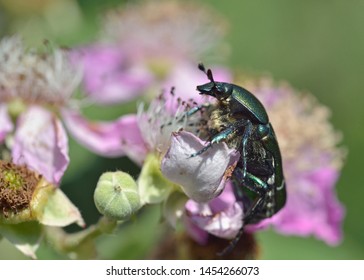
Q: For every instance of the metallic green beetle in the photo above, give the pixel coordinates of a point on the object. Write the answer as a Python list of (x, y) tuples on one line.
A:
[(241, 120)]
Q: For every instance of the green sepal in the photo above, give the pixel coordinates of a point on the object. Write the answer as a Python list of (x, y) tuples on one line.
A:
[(24, 236), (153, 186)]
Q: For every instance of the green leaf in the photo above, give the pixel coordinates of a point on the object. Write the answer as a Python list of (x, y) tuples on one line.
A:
[(24, 236)]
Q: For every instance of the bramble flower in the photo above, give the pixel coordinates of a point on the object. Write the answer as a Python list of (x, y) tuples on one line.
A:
[(37, 90), (157, 127), (311, 160), (28, 201), (148, 46), (33, 90)]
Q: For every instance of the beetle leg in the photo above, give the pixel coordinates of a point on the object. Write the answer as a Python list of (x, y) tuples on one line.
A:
[(221, 136), (216, 139), (256, 185), (261, 191), (261, 188), (247, 133), (195, 109)]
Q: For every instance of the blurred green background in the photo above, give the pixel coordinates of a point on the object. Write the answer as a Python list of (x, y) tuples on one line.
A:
[(316, 46)]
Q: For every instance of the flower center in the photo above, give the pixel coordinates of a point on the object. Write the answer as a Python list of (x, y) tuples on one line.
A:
[(165, 114), (48, 78), (17, 184)]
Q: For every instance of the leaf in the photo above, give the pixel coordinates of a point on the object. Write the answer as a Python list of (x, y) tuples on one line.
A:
[(24, 236)]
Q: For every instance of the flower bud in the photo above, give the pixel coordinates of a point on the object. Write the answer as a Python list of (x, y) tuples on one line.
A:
[(116, 195)]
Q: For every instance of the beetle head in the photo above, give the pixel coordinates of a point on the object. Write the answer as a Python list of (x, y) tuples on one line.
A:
[(218, 90)]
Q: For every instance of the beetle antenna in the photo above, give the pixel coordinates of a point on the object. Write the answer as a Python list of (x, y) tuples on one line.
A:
[(202, 67), (209, 75), (208, 72), (227, 250)]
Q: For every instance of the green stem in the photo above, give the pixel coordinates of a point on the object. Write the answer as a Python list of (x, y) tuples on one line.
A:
[(80, 245)]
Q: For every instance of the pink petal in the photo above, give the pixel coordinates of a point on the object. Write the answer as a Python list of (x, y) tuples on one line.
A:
[(222, 216), (195, 232), (112, 139), (41, 143), (202, 177), (108, 77), (312, 207), (5, 122), (186, 76)]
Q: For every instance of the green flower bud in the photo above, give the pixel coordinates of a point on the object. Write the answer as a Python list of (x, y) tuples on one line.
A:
[(116, 195), (15, 108)]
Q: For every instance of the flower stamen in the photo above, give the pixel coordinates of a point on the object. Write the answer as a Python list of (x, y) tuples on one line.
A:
[(17, 185)]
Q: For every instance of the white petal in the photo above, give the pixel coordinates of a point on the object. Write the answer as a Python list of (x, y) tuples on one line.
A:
[(202, 177)]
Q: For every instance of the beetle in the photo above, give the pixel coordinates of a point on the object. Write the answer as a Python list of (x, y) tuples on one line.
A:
[(240, 119)]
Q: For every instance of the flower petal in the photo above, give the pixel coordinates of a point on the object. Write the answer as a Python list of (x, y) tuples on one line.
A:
[(222, 216), (112, 139), (313, 208), (195, 232), (201, 177), (108, 77), (5, 122), (41, 143), (185, 77), (224, 225)]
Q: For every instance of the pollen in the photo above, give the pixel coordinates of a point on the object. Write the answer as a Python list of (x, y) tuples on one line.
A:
[(17, 185)]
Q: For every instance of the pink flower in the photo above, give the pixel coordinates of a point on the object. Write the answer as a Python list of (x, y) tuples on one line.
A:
[(109, 75), (147, 47), (36, 89), (221, 216), (311, 162), (30, 83)]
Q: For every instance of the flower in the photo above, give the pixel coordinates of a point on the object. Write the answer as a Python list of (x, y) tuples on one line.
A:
[(311, 161), (37, 90), (27, 201), (147, 46), (30, 83), (161, 170)]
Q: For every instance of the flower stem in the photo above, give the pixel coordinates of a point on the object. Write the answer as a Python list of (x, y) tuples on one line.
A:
[(79, 245)]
